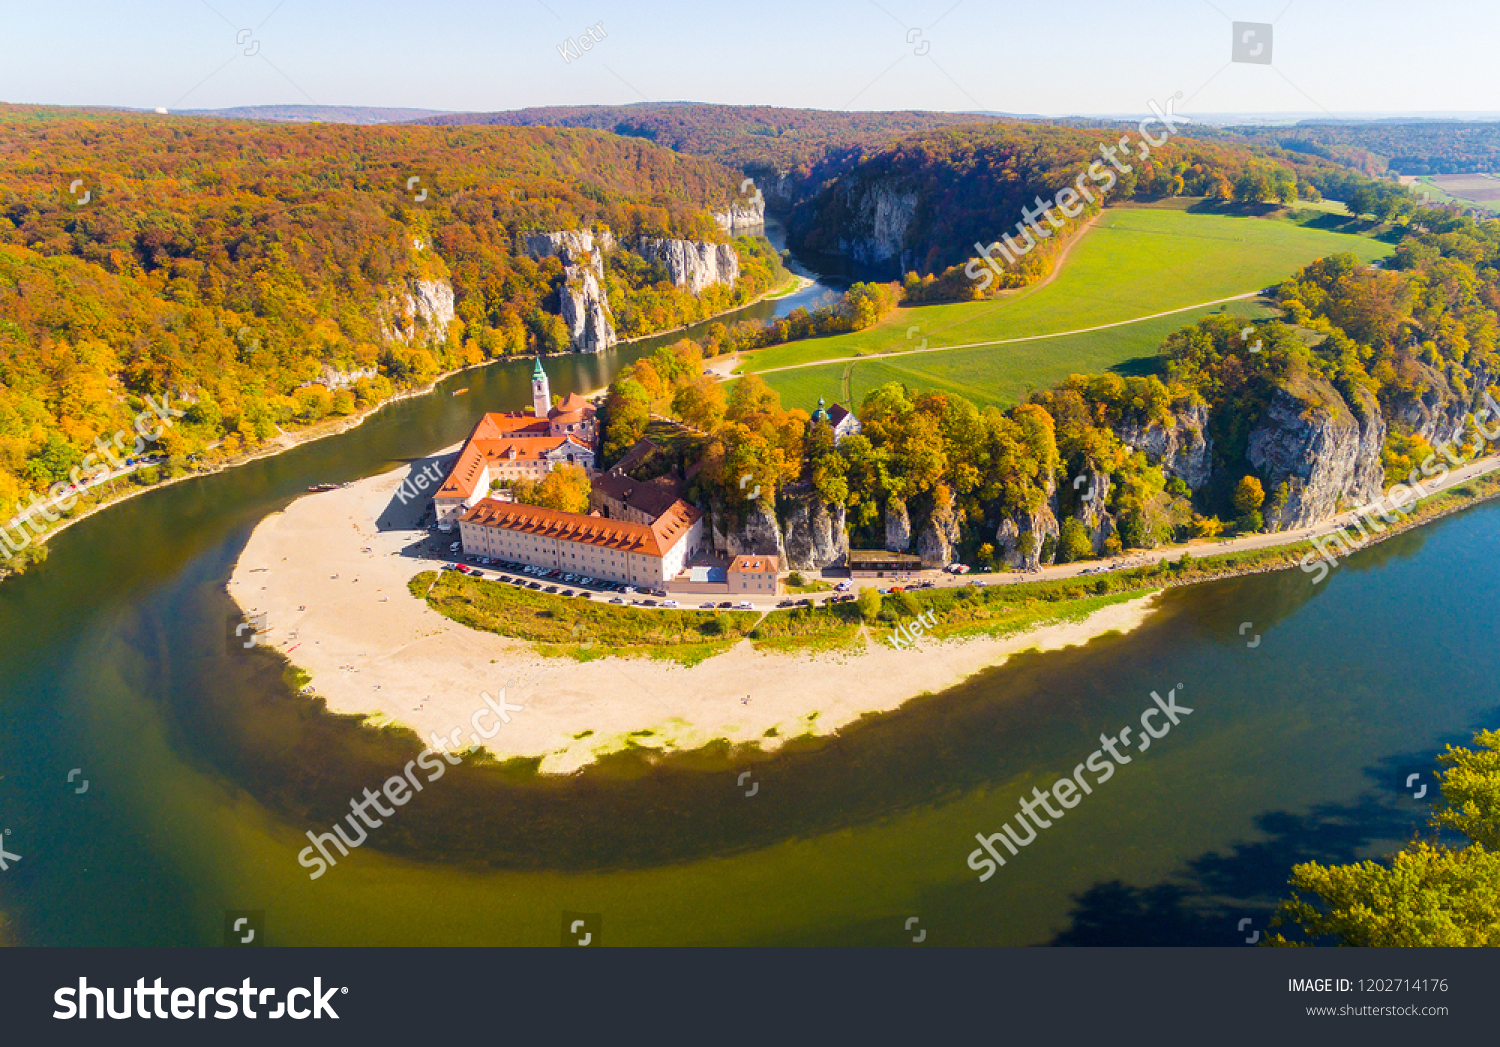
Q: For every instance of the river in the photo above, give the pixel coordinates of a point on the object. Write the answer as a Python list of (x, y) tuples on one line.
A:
[(204, 770)]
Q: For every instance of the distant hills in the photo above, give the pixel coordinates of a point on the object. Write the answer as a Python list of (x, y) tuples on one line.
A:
[(318, 114)]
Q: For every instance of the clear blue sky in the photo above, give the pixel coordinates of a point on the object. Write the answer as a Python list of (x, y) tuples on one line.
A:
[(1029, 57)]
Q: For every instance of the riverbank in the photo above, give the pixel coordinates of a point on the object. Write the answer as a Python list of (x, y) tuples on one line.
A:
[(287, 440), (330, 574)]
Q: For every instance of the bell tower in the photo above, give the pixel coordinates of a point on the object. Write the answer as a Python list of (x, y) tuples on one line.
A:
[(541, 392)]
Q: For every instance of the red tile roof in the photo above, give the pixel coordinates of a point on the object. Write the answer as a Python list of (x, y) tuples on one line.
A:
[(754, 565), (495, 435), (622, 535)]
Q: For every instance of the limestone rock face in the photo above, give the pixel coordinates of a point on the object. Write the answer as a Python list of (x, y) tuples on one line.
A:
[(571, 247), (813, 533), (331, 378), (586, 310), (1093, 512), (1180, 447), (809, 538), (897, 526), (693, 264), (421, 313), (1040, 524), (758, 534), (1440, 410), (874, 220), (582, 301), (939, 533), (741, 218), (1325, 452)]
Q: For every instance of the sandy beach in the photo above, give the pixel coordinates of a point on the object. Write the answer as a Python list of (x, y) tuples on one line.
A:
[(330, 575)]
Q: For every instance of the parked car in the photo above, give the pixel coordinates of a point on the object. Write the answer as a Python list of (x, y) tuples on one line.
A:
[(658, 592), (843, 587), (784, 603), (669, 603), (744, 605), (550, 589), (648, 603), (804, 603), (616, 599), (726, 603)]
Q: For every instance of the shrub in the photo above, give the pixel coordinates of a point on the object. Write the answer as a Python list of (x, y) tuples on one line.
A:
[(1075, 543)]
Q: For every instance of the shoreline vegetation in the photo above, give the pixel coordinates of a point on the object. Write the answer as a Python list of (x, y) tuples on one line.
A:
[(416, 648), (124, 487)]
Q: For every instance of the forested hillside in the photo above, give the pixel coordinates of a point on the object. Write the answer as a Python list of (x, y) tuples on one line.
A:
[(1369, 380), (789, 151), (270, 271), (923, 202)]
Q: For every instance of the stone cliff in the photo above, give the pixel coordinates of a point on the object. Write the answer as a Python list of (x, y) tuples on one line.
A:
[(809, 536), (582, 301), (1180, 448), (420, 313), (693, 264), (1325, 450), (749, 217)]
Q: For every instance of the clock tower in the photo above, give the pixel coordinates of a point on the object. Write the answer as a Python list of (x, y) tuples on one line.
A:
[(541, 392)]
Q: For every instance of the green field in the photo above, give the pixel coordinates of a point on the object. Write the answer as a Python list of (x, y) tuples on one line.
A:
[(999, 374), (1136, 262)]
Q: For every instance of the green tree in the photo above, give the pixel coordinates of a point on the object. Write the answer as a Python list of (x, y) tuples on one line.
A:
[(869, 602), (1074, 542), (1430, 893)]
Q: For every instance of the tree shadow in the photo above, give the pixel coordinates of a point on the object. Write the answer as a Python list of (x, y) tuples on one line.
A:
[(1204, 903), (1141, 367)]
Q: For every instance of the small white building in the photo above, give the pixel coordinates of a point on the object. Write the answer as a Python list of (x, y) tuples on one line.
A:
[(838, 417)]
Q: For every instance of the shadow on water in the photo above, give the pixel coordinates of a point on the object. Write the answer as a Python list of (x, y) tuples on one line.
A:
[(1203, 904)]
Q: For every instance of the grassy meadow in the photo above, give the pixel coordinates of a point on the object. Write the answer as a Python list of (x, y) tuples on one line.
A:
[(1136, 262)]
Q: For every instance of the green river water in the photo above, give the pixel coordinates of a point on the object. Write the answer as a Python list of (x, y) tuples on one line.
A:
[(205, 770)]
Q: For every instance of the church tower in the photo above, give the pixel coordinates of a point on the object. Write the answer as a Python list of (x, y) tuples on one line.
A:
[(541, 392)]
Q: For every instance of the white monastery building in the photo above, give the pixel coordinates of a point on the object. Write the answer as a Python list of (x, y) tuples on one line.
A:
[(615, 550)]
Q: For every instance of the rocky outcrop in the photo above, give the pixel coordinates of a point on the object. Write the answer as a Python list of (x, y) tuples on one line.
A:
[(1434, 409), (571, 247), (1325, 450), (813, 535), (585, 310), (693, 264), (939, 533), (742, 218), (757, 534), (332, 378), (1092, 486), (421, 314), (1179, 447), (582, 302), (897, 526), (1040, 524), (809, 536)]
